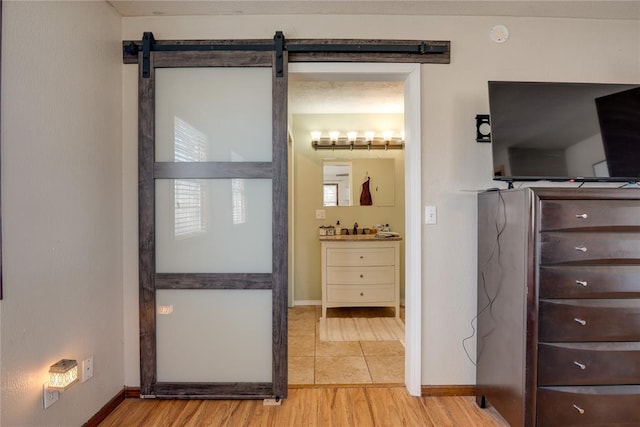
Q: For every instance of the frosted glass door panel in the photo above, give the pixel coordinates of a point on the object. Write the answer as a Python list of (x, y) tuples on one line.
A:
[(213, 114), (213, 225), (214, 335)]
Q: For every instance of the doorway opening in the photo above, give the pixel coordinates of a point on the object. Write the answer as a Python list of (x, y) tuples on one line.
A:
[(370, 97)]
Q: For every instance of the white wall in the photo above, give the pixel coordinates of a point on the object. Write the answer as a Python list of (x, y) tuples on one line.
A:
[(62, 206), (452, 163)]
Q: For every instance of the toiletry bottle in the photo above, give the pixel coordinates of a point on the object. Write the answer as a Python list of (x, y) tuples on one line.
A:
[(338, 228)]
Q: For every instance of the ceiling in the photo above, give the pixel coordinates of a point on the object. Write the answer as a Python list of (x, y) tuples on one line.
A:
[(604, 9), (344, 97), (311, 96)]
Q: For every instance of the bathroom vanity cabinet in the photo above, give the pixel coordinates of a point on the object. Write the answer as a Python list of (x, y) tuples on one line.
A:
[(558, 336), (360, 271)]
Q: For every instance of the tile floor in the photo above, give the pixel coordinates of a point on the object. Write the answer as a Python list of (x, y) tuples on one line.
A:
[(312, 361)]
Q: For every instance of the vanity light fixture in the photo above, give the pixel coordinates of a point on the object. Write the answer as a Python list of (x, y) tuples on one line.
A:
[(315, 135), (63, 374), (368, 136), (352, 141)]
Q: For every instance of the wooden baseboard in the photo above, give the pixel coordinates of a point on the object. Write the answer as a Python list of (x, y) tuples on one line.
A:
[(132, 392), (104, 412), (448, 390)]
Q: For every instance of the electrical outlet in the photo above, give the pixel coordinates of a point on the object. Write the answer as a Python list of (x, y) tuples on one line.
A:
[(321, 214), (50, 396), (87, 369)]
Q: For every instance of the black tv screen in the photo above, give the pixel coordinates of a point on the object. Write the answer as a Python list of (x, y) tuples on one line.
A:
[(565, 131)]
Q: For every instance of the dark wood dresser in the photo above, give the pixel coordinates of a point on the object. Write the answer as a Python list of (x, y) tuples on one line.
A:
[(558, 326)]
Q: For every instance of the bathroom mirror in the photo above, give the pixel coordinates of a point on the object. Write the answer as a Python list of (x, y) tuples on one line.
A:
[(343, 181)]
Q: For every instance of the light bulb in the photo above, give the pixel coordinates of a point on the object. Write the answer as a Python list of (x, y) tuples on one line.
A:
[(369, 136)]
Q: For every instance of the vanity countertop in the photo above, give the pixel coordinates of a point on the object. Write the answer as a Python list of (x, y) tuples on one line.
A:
[(357, 237)]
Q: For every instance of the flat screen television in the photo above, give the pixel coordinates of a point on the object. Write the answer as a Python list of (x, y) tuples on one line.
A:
[(565, 131)]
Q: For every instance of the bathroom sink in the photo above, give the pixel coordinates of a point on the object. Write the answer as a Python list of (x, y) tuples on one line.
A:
[(351, 237)]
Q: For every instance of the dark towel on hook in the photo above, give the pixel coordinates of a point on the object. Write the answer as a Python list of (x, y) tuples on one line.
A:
[(365, 196)]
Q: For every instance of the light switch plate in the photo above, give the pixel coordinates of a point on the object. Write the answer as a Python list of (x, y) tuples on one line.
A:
[(430, 215)]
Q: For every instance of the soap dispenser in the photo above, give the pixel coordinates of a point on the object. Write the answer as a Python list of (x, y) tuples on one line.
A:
[(338, 229)]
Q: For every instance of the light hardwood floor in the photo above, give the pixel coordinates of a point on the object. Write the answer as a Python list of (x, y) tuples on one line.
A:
[(328, 406), (357, 405)]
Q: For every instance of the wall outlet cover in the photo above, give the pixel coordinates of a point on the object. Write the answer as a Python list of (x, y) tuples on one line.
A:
[(50, 396), (87, 369)]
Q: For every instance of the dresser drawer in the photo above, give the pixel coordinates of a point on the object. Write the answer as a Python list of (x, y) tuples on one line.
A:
[(589, 214), (574, 320), (589, 363), (360, 294), (580, 406), (613, 281), (360, 256), (589, 247), (360, 275)]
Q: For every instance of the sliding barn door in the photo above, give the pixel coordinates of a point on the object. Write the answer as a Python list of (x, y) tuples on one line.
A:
[(213, 222), (213, 206)]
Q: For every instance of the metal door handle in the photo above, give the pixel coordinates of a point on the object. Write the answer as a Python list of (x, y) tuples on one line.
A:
[(581, 321), (582, 216), (580, 365), (579, 409), (581, 282), (581, 248)]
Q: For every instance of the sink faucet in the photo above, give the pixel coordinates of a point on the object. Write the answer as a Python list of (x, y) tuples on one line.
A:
[(355, 229)]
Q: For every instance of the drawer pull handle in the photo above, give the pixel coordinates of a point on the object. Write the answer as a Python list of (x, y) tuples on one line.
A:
[(582, 283), (581, 248), (579, 409), (581, 321), (361, 256), (580, 365), (361, 276), (361, 294), (582, 216)]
